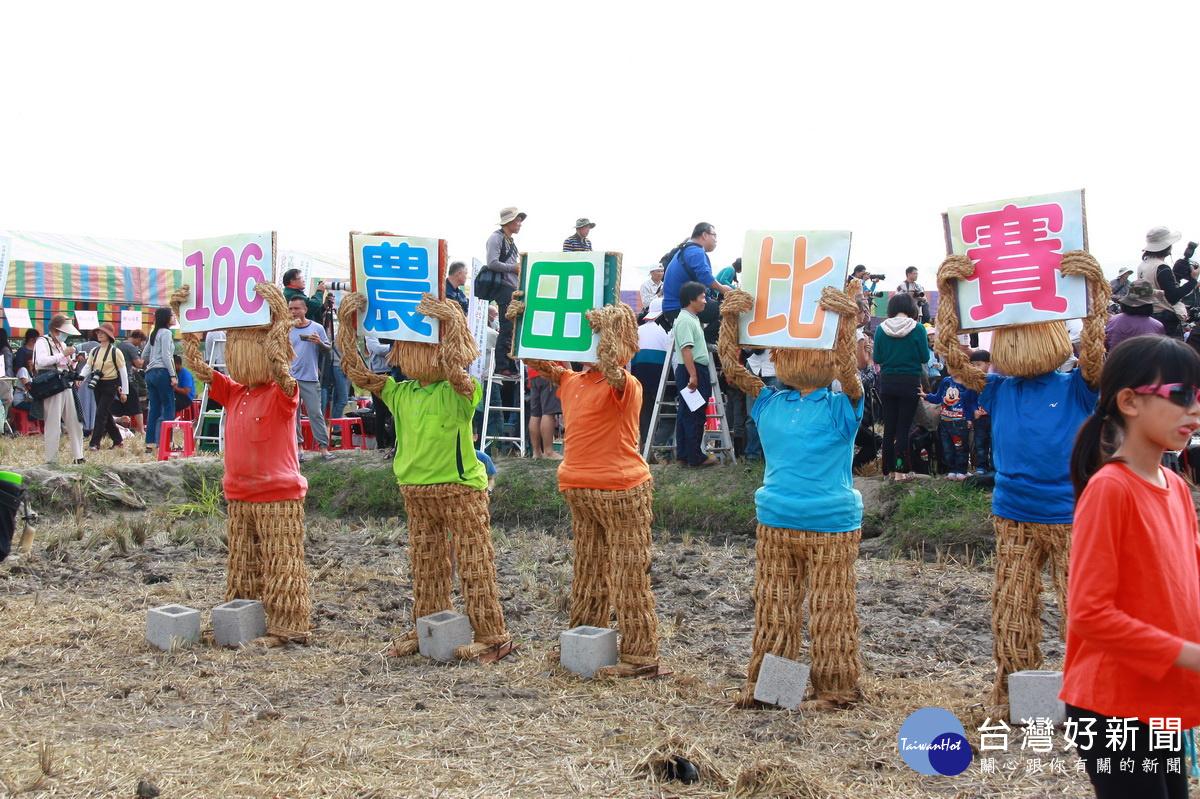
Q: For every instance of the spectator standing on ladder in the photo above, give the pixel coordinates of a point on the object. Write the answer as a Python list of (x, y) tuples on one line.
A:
[(689, 262)]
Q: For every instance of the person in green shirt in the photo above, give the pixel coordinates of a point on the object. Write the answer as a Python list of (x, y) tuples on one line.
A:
[(293, 286), (443, 484), (691, 371)]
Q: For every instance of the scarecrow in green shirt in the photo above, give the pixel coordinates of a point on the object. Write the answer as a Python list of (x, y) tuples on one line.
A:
[(443, 484)]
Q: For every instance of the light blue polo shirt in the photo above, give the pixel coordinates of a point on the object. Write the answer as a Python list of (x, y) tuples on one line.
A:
[(1035, 420), (808, 442)]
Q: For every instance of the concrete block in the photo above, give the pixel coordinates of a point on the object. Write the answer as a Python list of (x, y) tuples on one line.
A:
[(439, 634), (585, 650), (238, 622), (170, 626), (1034, 695), (781, 682), (358, 441)]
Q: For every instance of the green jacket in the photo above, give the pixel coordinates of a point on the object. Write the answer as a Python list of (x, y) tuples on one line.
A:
[(315, 303), (901, 354)]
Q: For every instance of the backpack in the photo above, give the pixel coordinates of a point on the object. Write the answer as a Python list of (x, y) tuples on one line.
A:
[(489, 284), (666, 260)]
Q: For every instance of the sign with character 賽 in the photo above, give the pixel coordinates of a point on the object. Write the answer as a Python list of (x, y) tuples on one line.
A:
[(393, 272), (1016, 246)]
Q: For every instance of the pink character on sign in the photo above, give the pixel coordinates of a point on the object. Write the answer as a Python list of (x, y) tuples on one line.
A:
[(1016, 261)]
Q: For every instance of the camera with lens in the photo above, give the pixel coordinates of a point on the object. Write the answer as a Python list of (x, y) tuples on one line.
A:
[(1184, 266), (93, 380), (920, 295), (877, 278), (338, 285), (875, 293)]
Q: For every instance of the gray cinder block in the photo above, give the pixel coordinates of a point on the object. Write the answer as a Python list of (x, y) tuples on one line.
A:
[(1034, 695), (585, 650), (781, 682), (439, 634), (238, 622), (170, 626)]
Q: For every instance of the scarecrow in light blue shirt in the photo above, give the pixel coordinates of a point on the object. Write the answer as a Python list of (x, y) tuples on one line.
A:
[(809, 514)]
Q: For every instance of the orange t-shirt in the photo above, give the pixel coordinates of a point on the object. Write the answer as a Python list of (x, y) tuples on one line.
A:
[(600, 449), (1133, 598)]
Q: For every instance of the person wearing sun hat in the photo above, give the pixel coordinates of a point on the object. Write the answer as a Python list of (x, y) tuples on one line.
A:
[(1120, 285), (580, 242), (109, 361), (1135, 317), (51, 352), (1168, 289), (504, 257)]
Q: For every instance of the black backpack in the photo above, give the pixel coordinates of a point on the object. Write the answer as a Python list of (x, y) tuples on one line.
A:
[(489, 284)]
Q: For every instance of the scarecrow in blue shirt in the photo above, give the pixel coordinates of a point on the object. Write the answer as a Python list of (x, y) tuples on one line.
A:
[(809, 514), (1036, 411)]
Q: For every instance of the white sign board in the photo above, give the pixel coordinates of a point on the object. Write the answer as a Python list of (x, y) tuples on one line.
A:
[(131, 320), (477, 321), (294, 260), (222, 273), (17, 318), (87, 320), (393, 272)]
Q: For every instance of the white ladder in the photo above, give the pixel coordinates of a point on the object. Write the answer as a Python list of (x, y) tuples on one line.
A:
[(717, 443), (500, 380)]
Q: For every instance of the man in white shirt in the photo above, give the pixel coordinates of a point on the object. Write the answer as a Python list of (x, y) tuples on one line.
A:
[(651, 288)]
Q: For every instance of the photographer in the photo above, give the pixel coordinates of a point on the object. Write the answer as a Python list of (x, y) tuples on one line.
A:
[(911, 286), (1171, 285), (293, 286)]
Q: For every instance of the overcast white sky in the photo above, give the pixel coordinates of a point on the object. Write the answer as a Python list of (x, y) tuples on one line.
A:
[(172, 121)]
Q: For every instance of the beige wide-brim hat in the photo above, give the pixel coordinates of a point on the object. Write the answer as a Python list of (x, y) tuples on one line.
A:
[(63, 322), (509, 214), (1160, 238)]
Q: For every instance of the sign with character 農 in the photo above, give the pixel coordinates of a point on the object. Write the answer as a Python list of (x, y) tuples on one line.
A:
[(393, 272)]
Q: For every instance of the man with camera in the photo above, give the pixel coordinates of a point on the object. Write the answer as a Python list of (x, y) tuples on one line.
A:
[(1171, 285), (911, 286), (293, 286)]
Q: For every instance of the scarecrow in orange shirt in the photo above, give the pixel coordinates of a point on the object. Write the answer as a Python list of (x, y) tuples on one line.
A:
[(263, 485), (445, 501), (610, 500)]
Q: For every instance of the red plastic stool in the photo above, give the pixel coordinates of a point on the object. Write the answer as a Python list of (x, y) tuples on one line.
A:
[(307, 442), (22, 424), (164, 440), (347, 426)]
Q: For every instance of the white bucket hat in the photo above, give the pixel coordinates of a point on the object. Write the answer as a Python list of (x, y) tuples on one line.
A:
[(1160, 238)]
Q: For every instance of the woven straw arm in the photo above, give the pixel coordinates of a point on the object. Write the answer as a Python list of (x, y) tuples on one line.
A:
[(955, 267), (191, 341), (551, 370), (1091, 342), (846, 363), (617, 327), (279, 346), (347, 338), (458, 348), (734, 305)]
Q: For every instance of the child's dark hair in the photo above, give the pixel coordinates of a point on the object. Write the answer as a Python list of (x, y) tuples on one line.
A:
[(980, 356), (902, 303), (1139, 361)]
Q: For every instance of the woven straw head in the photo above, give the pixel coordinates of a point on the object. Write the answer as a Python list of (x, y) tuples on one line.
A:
[(418, 360), (245, 355), (806, 370), (1030, 350)]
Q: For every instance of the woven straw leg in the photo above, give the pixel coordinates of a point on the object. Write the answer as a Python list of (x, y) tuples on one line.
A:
[(429, 554), (589, 582), (243, 577), (832, 615), (1055, 540), (629, 515), (286, 598), (468, 521), (1016, 603), (778, 597)]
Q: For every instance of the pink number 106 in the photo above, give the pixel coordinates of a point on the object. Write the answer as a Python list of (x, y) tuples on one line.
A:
[(226, 284)]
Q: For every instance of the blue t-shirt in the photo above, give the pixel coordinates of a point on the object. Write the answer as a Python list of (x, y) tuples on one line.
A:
[(695, 266), (957, 401), (1036, 420), (185, 380), (304, 367), (488, 466), (808, 442)]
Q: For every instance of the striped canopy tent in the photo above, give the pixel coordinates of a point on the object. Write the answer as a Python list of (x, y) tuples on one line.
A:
[(52, 273)]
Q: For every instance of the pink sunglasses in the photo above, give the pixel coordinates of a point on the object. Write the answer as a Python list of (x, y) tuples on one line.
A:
[(1178, 393)]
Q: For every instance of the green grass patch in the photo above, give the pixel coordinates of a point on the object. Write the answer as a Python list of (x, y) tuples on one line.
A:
[(932, 517)]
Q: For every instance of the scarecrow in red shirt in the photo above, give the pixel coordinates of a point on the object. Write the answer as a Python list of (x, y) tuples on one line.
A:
[(1026, 356), (437, 404), (263, 485), (611, 508)]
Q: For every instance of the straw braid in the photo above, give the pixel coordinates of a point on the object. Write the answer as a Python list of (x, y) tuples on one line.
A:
[(734, 305), (617, 327), (458, 348), (278, 346), (1091, 342), (845, 360), (347, 338), (191, 341), (266, 562), (955, 267), (1022, 549)]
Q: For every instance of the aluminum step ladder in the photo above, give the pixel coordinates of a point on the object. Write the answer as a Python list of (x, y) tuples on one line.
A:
[(717, 443), (214, 356), (518, 438)]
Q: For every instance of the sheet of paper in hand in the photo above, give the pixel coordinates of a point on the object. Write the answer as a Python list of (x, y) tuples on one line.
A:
[(785, 271), (1017, 246), (393, 272)]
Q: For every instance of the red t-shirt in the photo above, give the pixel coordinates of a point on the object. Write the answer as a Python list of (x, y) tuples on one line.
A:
[(1133, 598), (600, 447), (260, 441)]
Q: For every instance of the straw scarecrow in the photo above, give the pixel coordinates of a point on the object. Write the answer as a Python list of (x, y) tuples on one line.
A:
[(1036, 412), (443, 484), (809, 515), (263, 485), (607, 486)]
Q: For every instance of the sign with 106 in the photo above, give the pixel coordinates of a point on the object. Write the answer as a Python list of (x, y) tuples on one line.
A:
[(222, 272)]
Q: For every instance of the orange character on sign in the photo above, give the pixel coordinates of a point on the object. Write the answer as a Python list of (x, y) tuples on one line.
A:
[(768, 270)]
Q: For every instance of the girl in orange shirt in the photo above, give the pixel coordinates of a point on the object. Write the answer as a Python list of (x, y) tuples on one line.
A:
[(1132, 675)]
